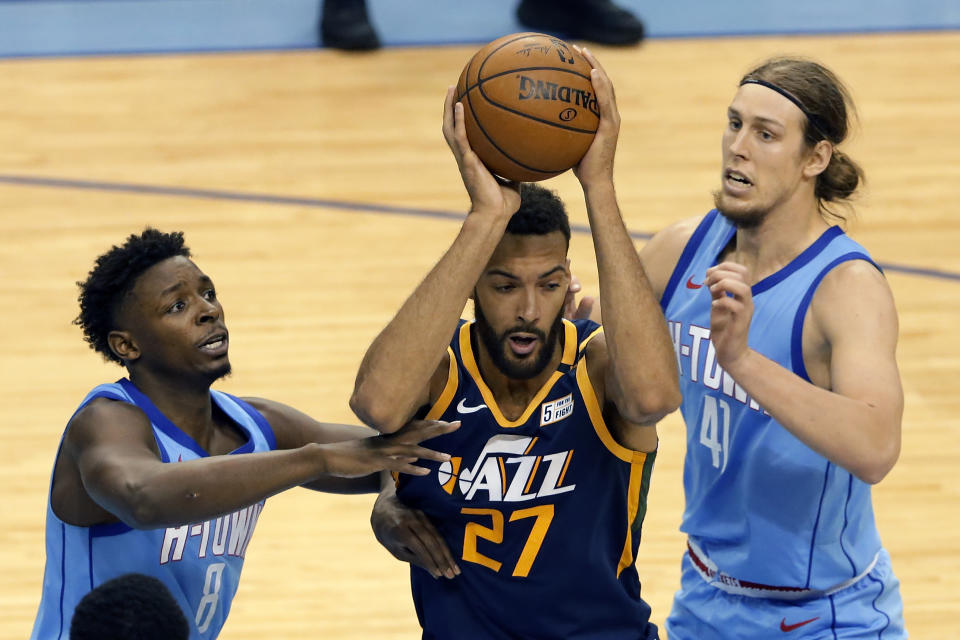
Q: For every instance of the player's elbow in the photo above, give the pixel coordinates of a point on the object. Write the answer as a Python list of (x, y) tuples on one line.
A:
[(140, 509), (880, 464), (652, 406), (374, 411)]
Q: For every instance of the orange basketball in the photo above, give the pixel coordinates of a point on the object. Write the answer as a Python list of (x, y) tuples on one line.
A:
[(529, 106)]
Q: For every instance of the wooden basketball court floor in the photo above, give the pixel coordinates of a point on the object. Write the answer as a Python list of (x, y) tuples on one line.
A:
[(314, 187)]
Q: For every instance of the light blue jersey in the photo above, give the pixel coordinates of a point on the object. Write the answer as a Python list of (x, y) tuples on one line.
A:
[(766, 516), (199, 562)]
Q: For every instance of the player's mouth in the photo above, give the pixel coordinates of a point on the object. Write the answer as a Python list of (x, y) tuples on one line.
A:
[(523, 344), (736, 183), (216, 344)]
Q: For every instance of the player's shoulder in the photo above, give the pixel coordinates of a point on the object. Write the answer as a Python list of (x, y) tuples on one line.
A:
[(105, 418), (853, 291), (851, 280), (662, 252)]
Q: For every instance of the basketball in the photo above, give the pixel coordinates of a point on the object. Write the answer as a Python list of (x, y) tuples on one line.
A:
[(529, 107)]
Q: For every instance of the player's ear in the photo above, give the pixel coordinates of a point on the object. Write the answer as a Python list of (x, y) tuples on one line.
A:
[(123, 345), (819, 159)]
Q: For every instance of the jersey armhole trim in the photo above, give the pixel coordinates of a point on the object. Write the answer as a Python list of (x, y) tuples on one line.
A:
[(449, 389), (259, 420), (596, 416), (796, 337), (593, 334), (686, 257)]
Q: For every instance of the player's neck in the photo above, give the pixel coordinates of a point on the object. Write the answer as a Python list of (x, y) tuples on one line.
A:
[(186, 403), (783, 235), (514, 395)]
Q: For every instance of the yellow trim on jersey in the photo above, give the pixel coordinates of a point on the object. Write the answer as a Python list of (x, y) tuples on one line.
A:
[(633, 504), (635, 458), (446, 396), (583, 343), (596, 416), (470, 362)]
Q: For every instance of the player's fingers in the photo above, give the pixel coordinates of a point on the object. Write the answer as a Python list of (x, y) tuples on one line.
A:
[(732, 286), (602, 74), (409, 469), (727, 270), (438, 546), (426, 429), (460, 129), (423, 453), (448, 120), (585, 308), (421, 554), (727, 306), (592, 59)]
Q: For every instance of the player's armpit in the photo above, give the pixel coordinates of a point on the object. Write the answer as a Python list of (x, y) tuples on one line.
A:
[(638, 437)]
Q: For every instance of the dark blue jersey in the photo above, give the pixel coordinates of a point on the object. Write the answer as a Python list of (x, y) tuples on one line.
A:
[(543, 513)]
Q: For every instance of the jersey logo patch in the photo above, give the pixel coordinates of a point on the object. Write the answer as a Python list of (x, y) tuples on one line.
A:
[(692, 285), (790, 627), (463, 408), (556, 410), (507, 470)]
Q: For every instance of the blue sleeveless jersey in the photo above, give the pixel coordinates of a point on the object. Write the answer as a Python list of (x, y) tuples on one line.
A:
[(199, 562), (760, 504), (543, 513)]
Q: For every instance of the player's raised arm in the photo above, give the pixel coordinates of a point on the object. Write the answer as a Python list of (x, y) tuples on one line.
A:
[(394, 377), (641, 377)]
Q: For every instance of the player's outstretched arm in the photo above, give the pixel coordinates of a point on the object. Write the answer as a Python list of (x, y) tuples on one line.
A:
[(395, 374), (294, 429), (852, 415), (641, 379), (111, 445)]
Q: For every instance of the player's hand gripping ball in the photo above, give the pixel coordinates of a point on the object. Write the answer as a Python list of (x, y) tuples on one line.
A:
[(529, 107)]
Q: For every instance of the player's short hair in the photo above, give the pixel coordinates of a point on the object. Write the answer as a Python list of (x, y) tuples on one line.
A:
[(133, 606), (830, 113), (541, 212), (113, 277)]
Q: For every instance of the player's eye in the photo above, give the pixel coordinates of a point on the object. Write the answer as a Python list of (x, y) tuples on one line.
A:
[(176, 307), (210, 295)]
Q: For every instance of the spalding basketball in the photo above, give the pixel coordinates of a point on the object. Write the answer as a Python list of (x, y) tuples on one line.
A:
[(529, 106)]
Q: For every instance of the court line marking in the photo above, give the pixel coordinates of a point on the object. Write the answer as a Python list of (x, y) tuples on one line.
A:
[(323, 203)]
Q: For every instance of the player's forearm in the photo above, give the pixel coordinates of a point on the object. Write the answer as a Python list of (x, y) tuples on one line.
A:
[(163, 494), (399, 364), (861, 438), (638, 343)]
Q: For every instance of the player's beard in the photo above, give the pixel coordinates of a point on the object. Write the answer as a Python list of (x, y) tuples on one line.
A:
[(741, 217), (497, 346)]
